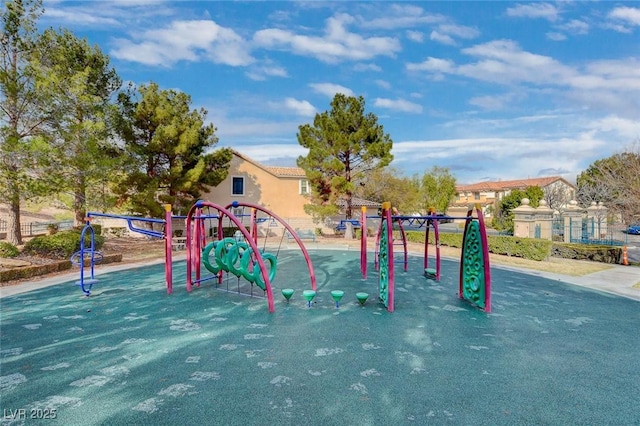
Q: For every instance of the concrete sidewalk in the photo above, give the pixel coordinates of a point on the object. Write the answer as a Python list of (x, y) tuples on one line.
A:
[(619, 280)]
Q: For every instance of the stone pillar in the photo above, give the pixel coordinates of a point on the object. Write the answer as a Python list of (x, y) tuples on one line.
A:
[(572, 222), (544, 219), (597, 217), (523, 221)]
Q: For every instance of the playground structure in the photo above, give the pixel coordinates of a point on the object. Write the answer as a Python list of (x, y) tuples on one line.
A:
[(239, 255), (475, 273)]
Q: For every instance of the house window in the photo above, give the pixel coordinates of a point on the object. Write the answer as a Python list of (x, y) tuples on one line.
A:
[(237, 185), (304, 187), (476, 195)]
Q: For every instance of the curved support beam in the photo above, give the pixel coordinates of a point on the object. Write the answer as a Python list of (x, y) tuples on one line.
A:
[(256, 251), (293, 233)]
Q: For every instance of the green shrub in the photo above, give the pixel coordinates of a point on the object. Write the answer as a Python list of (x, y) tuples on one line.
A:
[(527, 248), (595, 253), (60, 245), (8, 250)]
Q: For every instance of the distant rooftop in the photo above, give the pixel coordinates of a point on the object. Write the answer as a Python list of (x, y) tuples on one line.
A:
[(502, 185)]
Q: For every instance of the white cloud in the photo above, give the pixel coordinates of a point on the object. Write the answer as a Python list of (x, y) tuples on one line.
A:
[(534, 10), (489, 102), (433, 65), (360, 67), (442, 38), (261, 72), (460, 31), (556, 36), (509, 158), (383, 84), (575, 26), (628, 15), (303, 108), (80, 17), (330, 89), (417, 36), (628, 129), (336, 45), (402, 16), (398, 105), (105, 14), (185, 40)]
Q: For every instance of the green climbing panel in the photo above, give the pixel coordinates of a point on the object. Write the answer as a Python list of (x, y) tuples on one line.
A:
[(384, 265), (473, 276)]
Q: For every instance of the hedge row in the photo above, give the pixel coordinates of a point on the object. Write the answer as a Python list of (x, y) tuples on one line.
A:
[(527, 248), (595, 253), (534, 249)]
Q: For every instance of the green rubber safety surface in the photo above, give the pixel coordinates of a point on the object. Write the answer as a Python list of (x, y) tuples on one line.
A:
[(549, 353)]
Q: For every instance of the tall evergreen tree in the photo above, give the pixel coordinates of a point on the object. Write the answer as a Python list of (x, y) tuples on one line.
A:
[(81, 84), (344, 144), (23, 110), (169, 145)]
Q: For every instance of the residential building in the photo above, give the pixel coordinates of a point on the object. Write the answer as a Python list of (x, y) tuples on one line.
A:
[(558, 191), (282, 190)]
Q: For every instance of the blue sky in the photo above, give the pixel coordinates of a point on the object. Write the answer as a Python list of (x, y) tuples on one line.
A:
[(491, 90)]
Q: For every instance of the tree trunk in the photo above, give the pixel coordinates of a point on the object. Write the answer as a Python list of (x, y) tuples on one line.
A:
[(14, 234), (79, 205)]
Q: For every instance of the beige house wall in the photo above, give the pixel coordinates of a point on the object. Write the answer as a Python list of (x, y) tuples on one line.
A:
[(280, 194)]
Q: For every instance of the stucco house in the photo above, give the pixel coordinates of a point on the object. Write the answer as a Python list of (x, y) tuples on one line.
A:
[(558, 191), (282, 190)]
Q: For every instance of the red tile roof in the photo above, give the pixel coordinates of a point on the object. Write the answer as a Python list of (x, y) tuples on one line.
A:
[(510, 184), (286, 171)]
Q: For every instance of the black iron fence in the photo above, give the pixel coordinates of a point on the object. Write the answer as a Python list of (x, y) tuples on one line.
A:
[(32, 229), (589, 230)]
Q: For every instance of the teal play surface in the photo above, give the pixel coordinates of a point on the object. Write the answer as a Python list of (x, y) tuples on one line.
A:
[(549, 353)]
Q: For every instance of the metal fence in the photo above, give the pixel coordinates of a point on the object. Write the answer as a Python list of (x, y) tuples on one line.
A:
[(33, 229), (589, 231)]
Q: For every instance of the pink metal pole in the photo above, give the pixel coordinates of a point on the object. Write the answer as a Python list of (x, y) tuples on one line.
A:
[(436, 236), (188, 235), (390, 296), (168, 261), (363, 243), (426, 247), (485, 255)]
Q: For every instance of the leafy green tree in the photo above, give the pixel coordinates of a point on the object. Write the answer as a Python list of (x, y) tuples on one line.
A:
[(503, 218), (23, 111), (388, 184), (344, 144), (168, 144), (436, 189), (81, 84)]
